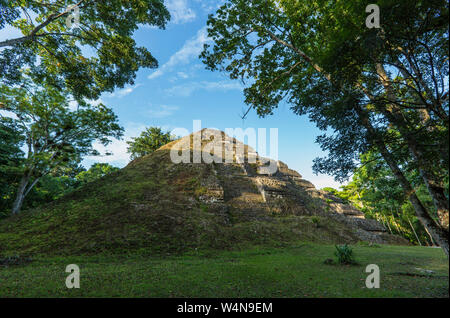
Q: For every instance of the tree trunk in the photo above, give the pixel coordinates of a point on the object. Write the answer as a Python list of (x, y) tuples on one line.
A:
[(393, 113), (440, 201), (414, 231), (20, 196), (431, 237), (439, 235), (435, 190), (387, 222)]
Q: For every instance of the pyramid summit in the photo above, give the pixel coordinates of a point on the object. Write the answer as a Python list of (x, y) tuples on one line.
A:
[(155, 205), (211, 145)]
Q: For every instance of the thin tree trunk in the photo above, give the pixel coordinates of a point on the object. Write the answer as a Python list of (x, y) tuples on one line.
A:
[(386, 220), (431, 237), (414, 231), (20, 196), (22, 192), (389, 226)]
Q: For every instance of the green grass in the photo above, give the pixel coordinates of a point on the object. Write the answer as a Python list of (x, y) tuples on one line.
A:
[(258, 272)]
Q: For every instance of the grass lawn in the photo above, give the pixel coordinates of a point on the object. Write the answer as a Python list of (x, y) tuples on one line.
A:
[(259, 272)]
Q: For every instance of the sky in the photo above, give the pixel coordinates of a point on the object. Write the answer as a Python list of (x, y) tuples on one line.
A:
[(181, 90)]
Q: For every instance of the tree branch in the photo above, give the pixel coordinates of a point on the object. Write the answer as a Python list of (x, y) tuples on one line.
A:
[(52, 17)]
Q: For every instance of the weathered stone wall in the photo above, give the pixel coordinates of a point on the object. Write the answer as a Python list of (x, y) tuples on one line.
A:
[(238, 187)]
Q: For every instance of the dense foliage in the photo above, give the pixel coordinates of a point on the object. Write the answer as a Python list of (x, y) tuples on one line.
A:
[(96, 171), (374, 191), (50, 187), (10, 159), (149, 140), (97, 55)]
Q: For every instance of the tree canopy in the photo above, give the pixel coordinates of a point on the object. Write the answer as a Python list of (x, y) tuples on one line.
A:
[(149, 140), (95, 172), (97, 55)]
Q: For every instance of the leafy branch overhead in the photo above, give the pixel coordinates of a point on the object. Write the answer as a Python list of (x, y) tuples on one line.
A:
[(97, 56)]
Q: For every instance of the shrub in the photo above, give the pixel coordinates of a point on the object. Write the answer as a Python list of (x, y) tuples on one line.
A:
[(344, 254), (315, 220)]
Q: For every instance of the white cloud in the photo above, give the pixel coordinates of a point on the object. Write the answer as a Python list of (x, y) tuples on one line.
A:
[(182, 75), (190, 50), (162, 111), (178, 76), (180, 12), (117, 147), (124, 91), (73, 105), (7, 113), (118, 150), (187, 89), (210, 6), (96, 102), (156, 74), (322, 181)]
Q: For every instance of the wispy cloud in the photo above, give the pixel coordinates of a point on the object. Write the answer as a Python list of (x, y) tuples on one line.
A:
[(162, 111), (118, 148), (182, 75), (209, 6), (124, 91), (190, 50), (187, 89), (180, 11)]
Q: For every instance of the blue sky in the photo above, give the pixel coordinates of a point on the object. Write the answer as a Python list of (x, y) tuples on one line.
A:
[(182, 90)]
